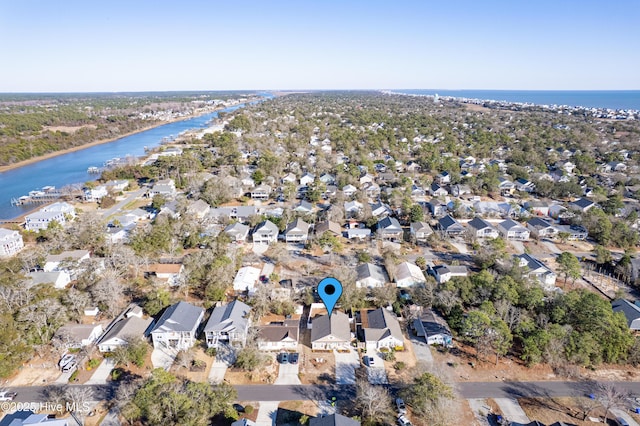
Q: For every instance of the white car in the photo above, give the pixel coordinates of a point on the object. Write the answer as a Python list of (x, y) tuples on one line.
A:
[(66, 359), (7, 396), (403, 421)]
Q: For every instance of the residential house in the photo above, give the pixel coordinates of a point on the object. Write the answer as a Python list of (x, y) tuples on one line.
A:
[(62, 207), (420, 231), (358, 233), (379, 209), (279, 336), (444, 178), (244, 422), (95, 194), (297, 231), (307, 179), (328, 179), (304, 207), (538, 270), (512, 230), (199, 209), (631, 312), (265, 232), (460, 190), (131, 326), (436, 208), (538, 207), (42, 219), (417, 192), (412, 166), (333, 420), (10, 242), (370, 275), (331, 332), (524, 185), (168, 273), (349, 190), (582, 205), (379, 328), (408, 275), (288, 178), (450, 227), (247, 182), (328, 226), (389, 229), (177, 328), (573, 232), (59, 279), (443, 273), (433, 328), (505, 186), (480, 228), (261, 192), (65, 261), (437, 191), (164, 187), (541, 228), (77, 336), (372, 190), (242, 213), (238, 232), (352, 208), (246, 280), (228, 324), (117, 185), (366, 179), (26, 417)]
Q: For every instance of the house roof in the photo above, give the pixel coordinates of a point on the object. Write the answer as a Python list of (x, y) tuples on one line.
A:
[(71, 255), (369, 270), (532, 263), (582, 203), (278, 332), (447, 222), (78, 331), (333, 420), (330, 226), (630, 310), (237, 229), (389, 224), (336, 325), (298, 225), (181, 316), (409, 270), (381, 324), (433, 324), (229, 317), (509, 224), (454, 269), (165, 268), (539, 223), (131, 326), (421, 227), (478, 223), (266, 226)]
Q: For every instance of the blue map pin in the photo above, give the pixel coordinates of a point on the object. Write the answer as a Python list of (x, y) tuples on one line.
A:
[(330, 290)]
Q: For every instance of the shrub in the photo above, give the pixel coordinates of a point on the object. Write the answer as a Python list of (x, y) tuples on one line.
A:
[(93, 363), (74, 376), (399, 365), (211, 352), (248, 409), (389, 356)]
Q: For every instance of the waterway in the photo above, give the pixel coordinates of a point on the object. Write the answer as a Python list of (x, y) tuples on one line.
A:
[(71, 168)]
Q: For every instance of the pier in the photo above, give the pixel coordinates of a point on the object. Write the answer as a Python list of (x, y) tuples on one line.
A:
[(48, 194)]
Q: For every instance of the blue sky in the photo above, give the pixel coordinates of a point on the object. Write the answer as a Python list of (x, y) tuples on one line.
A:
[(144, 45)]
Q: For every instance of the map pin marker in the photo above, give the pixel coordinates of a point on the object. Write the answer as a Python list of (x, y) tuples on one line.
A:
[(330, 290)]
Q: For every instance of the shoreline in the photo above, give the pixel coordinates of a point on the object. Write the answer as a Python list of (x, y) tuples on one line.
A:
[(54, 154)]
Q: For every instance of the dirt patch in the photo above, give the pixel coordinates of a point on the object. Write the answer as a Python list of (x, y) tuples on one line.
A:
[(569, 410), (406, 361), (68, 129), (196, 374), (316, 367), (266, 373)]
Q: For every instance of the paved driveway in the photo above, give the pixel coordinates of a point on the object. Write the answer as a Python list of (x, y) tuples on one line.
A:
[(420, 349), (518, 245), (551, 246), (376, 372), (480, 409), (462, 247), (625, 415), (102, 372), (511, 410), (346, 364), (288, 374), (161, 358), (267, 413)]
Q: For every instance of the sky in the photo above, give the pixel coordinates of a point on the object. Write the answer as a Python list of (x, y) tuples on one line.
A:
[(157, 45)]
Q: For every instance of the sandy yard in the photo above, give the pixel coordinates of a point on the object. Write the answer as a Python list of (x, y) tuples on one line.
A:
[(316, 367), (403, 375), (36, 373), (195, 376), (266, 373)]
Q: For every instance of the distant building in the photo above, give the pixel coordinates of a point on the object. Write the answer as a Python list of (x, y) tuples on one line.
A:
[(370, 276), (10, 242)]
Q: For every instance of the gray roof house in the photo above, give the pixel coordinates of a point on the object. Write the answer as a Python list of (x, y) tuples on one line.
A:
[(480, 228), (538, 270), (512, 230), (389, 229), (370, 275), (450, 227), (261, 192), (177, 328), (420, 231), (265, 232), (117, 335), (297, 231), (333, 420), (380, 328), (443, 273), (433, 328), (330, 332), (228, 324), (630, 311), (582, 205), (237, 231), (328, 226), (541, 228)]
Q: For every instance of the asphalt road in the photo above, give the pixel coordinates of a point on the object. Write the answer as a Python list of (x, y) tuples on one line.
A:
[(347, 392)]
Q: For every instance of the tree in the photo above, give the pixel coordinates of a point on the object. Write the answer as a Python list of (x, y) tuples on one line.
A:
[(248, 359), (426, 394), (133, 351), (416, 214), (603, 255), (610, 397), (373, 401), (569, 265)]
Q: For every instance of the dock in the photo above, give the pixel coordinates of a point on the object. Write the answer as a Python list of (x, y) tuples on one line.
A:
[(48, 194)]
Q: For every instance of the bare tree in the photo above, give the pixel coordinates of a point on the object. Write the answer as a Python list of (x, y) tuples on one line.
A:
[(586, 406), (77, 301), (373, 400), (610, 397)]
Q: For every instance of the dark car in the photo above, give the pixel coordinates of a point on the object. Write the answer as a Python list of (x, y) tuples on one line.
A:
[(283, 357), (239, 408), (293, 358)]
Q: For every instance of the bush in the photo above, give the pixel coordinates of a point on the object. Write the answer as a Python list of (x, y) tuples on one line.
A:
[(389, 356), (399, 365), (248, 409), (211, 352), (73, 377), (93, 363)]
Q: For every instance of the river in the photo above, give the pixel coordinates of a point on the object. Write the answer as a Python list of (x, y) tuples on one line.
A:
[(71, 168)]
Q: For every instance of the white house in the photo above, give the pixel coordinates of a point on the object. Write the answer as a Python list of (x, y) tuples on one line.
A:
[(420, 231), (76, 336), (265, 232), (95, 194), (238, 232), (306, 179), (444, 273), (281, 336), (380, 328), (512, 230), (177, 328), (59, 279), (297, 231), (10, 242), (65, 260), (164, 187), (170, 273), (370, 276), (228, 324), (538, 270), (42, 219), (130, 324), (408, 275), (433, 328), (349, 190), (261, 192), (62, 207), (246, 279), (480, 228)]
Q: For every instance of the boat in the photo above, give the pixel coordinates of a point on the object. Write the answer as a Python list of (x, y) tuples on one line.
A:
[(93, 170)]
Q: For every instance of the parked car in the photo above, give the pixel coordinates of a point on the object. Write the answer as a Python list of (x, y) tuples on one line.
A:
[(7, 396), (403, 421), (283, 357), (239, 408), (293, 358), (402, 409), (66, 359), (70, 366)]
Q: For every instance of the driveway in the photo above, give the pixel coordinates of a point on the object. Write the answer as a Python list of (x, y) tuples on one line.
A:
[(288, 374), (102, 373), (551, 246), (511, 410), (420, 349), (111, 419), (64, 378), (267, 413), (259, 248), (217, 372), (625, 415), (376, 373), (480, 410), (462, 247), (161, 358), (346, 364), (518, 245)]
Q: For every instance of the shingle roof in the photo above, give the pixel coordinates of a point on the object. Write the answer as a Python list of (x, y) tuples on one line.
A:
[(333, 420), (132, 326), (337, 325), (229, 317), (369, 270), (630, 311), (382, 324), (181, 316), (478, 223)]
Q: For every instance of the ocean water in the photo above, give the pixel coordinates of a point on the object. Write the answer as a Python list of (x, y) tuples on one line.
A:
[(609, 99)]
